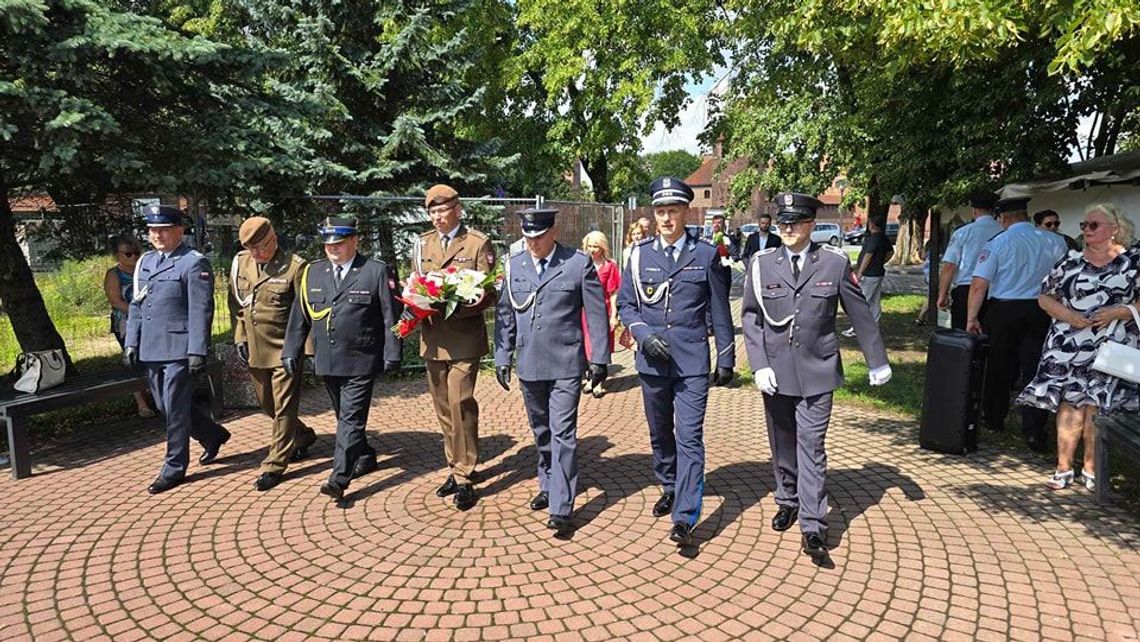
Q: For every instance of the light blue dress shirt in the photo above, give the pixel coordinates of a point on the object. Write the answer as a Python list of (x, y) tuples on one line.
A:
[(966, 244), (1015, 262)]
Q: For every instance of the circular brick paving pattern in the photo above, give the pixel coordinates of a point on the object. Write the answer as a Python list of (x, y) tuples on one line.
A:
[(925, 545)]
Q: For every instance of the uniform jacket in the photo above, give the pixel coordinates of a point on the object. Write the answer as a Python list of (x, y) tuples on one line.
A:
[(546, 338), (354, 337), (804, 352), (261, 322), (173, 306), (464, 334), (698, 284)]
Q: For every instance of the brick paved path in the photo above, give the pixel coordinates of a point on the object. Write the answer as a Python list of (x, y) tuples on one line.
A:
[(926, 546)]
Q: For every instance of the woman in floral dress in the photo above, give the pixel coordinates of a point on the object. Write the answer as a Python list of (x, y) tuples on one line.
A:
[(1086, 294)]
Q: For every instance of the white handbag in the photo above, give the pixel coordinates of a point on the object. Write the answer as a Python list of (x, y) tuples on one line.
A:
[(39, 371), (1117, 359)]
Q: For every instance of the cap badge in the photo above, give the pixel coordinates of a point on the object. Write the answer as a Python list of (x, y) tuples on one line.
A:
[(788, 199), (668, 182)]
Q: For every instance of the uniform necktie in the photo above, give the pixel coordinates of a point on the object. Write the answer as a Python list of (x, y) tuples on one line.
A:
[(260, 269), (541, 267), (339, 274), (669, 253), (445, 241), (796, 267)]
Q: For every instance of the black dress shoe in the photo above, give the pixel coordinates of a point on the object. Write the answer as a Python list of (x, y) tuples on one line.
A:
[(815, 545), (664, 506), (558, 524), (449, 487), (211, 452), (541, 501), (465, 496), (332, 490), (784, 518), (162, 484), (363, 466), (302, 451), (682, 534), (267, 481)]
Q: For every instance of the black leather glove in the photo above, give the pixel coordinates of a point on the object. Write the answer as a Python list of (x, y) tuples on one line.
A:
[(722, 377), (598, 374), (130, 357), (391, 367), (243, 352), (503, 376), (655, 347), (197, 364), (290, 365)]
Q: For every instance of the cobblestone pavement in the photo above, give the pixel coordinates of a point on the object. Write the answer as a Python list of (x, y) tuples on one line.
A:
[(926, 546)]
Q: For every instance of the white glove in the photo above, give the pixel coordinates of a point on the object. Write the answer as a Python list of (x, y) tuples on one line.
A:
[(766, 380), (880, 375)]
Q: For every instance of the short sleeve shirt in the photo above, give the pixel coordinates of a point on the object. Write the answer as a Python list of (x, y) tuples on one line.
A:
[(877, 246)]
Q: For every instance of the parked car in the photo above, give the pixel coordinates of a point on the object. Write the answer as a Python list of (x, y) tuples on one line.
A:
[(827, 233), (892, 232), (748, 229), (854, 236)]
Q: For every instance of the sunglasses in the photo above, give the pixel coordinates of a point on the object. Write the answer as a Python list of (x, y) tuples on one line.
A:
[(1091, 226), (1052, 224)]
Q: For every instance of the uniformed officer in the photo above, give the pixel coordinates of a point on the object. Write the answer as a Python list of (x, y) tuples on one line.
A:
[(451, 347), (539, 322), (266, 278), (791, 296), (168, 331), (962, 254), (670, 282), (1009, 274), (346, 302)]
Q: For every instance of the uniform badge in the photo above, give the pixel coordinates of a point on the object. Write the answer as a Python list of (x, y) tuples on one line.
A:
[(788, 199), (667, 182), (983, 256), (205, 276), (649, 290)]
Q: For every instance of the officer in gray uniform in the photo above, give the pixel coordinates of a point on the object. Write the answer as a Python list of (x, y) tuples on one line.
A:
[(1007, 279), (168, 331), (346, 301), (791, 296), (962, 254), (539, 321), (671, 284)]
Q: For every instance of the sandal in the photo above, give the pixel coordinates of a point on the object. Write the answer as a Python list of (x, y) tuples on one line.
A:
[(1060, 480), (1088, 479)]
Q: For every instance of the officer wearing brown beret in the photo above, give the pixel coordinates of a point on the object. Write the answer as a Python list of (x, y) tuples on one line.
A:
[(265, 279), (452, 347)]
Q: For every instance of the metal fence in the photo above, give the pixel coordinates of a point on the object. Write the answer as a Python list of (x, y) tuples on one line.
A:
[(388, 223)]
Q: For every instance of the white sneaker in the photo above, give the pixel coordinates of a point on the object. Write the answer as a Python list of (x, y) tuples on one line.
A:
[(849, 332)]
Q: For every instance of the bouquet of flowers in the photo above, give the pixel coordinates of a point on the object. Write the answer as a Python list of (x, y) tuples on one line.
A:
[(441, 292)]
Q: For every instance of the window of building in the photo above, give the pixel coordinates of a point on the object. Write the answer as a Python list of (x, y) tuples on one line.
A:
[(708, 193)]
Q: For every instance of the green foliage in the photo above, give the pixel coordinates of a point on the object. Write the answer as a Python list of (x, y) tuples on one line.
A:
[(76, 288), (633, 175)]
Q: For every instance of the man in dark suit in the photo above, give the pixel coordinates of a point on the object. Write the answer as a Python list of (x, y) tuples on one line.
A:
[(791, 298), (763, 239), (346, 302), (539, 322), (669, 285), (168, 331)]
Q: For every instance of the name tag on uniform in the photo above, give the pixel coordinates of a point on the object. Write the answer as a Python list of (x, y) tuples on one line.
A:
[(693, 267), (823, 284), (359, 292), (653, 269), (314, 289), (278, 281), (462, 259), (773, 286)]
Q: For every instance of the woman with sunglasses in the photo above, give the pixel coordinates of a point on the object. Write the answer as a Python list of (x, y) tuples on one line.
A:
[(118, 285), (1050, 221), (1086, 294)]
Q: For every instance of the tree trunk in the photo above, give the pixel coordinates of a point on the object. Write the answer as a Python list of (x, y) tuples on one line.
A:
[(19, 294), (908, 247), (599, 171)]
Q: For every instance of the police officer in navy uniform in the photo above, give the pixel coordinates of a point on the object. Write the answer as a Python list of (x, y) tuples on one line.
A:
[(1008, 273), (671, 282), (791, 297), (539, 322), (168, 331), (962, 254), (346, 302)]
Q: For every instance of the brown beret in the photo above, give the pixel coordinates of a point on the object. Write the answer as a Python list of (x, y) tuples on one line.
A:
[(440, 194), (253, 230)]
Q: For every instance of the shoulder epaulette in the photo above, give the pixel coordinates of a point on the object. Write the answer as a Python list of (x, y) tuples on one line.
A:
[(319, 261), (995, 236), (196, 254), (832, 249), (476, 233), (767, 250), (428, 233), (297, 258), (646, 240)]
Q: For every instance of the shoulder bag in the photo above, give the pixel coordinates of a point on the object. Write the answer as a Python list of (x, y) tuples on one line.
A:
[(38, 371), (1117, 359)]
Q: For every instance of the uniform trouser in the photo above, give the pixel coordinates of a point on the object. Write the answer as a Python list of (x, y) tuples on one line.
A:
[(351, 399), (452, 388), (797, 429), (872, 287), (552, 407), (172, 387), (675, 410), (958, 309), (279, 396), (1017, 330)]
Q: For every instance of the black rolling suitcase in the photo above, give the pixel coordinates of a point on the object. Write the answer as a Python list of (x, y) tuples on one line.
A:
[(951, 408)]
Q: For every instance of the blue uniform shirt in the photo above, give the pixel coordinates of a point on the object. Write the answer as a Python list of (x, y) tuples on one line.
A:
[(1016, 261), (966, 244)]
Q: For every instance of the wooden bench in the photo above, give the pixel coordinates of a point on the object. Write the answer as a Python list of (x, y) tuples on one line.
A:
[(17, 407), (1117, 433)]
